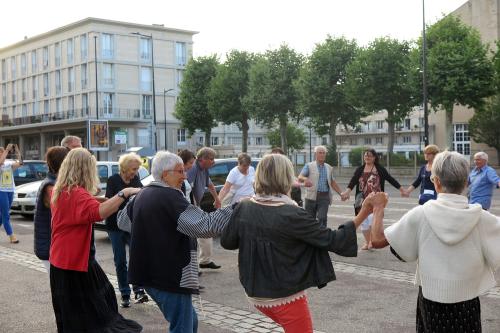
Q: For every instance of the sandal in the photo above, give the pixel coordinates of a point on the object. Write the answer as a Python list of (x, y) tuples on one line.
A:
[(364, 247), (13, 239)]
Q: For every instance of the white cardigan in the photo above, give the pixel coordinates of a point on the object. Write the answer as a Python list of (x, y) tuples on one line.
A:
[(457, 246)]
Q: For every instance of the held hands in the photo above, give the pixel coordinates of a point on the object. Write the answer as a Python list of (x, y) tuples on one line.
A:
[(308, 183), (376, 201), (345, 195), (129, 191), (404, 193), (217, 203)]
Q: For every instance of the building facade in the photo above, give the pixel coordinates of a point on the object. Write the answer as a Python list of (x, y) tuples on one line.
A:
[(62, 81)]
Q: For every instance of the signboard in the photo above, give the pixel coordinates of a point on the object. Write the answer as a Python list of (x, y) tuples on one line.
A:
[(99, 135), (120, 138)]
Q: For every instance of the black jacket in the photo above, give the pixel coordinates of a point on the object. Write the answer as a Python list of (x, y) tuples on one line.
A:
[(382, 172), (283, 250), (42, 221)]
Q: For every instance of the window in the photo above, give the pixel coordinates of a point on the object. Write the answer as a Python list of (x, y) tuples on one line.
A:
[(179, 77), (24, 110), (85, 104), (379, 141), (45, 57), (57, 54), (259, 141), (200, 141), (58, 82), (214, 140), (461, 140), (71, 106), (234, 140), (144, 49), (46, 107), (107, 104), (407, 139), (84, 75), (12, 68), (14, 112), (180, 53), (71, 79), (46, 83), (107, 73), (324, 141), (368, 141), (70, 51), (367, 126), (407, 123), (14, 92), (4, 70), (34, 108), (146, 105), (146, 82), (83, 48), (23, 64), (24, 89), (34, 63), (58, 107), (102, 170), (353, 141), (107, 46), (421, 122), (4, 93), (380, 124), (181, 135)]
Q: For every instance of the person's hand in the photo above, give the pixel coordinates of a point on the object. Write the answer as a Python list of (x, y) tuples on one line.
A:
[(308, 183), (9, 147), (404, 193), (345, 195), (129, 191), (376, 200), (217, 203)]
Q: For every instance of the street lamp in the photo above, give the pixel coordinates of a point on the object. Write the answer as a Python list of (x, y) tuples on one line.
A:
[(165, 91), (424, 78), (153, 79)]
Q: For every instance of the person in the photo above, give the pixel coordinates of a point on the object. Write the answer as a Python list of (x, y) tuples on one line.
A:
[(127, 177), (482, 180), (7, 186), (283, 250), (296, 192), (43, 216), (198, 178), (71, 142), (456, 244), (82, 296), (239, 181), (427, 190), (319, 182), (163, 247), (370, 177), (188, 159)]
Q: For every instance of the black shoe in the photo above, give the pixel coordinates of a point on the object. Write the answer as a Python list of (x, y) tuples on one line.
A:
[(211, 265), (201, 287), (125, 301), (141, 297), (199, 273)]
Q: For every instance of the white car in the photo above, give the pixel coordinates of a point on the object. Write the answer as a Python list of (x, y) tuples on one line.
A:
[(25, 196)]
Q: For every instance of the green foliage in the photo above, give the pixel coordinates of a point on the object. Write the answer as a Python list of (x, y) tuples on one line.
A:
[(332, 156), (295, 137), (355, 156), (485, 124), (272, 96), (400, 160), (192, 105), (229, 88), (378, 79)]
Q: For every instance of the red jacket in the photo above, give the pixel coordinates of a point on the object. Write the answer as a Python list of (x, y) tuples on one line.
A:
[(72, 218)]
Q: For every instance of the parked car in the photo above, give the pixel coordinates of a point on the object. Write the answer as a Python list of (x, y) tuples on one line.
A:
[(25, 195), (30, 171)]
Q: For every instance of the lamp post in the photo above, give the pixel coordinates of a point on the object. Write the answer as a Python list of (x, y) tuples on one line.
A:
[(424, 78), (153, 80), (165, 91)]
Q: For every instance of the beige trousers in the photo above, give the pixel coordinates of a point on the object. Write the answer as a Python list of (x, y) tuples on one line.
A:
[(205, 246)]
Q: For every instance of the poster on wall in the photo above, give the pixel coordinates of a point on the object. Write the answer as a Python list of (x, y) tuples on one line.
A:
[(99, 135)]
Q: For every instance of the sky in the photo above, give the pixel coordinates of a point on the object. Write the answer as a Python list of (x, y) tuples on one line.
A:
[(223, 25)]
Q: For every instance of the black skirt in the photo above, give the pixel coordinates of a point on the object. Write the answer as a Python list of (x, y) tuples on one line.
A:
[(86, 302), (443, 317)]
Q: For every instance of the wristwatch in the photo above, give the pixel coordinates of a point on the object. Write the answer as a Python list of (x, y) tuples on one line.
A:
[(121, 194)]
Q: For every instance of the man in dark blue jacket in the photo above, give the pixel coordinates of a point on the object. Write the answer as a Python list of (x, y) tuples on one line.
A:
[(163, 245)]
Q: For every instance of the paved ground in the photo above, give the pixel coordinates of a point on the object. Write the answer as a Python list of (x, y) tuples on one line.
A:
[(373, 293)]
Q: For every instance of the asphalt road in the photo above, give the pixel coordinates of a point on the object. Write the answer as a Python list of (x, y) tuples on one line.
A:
[(373, 292)]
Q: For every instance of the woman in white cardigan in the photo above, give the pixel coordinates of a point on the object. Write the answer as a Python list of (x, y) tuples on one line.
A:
[(457, 246)]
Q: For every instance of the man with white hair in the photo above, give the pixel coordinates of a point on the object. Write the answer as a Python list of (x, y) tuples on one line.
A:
[(163, 244), (318, 179), (71, 142), (481, 181)]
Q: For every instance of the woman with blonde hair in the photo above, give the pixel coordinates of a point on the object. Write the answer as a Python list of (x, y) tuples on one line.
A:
[(82, 296), (127, 177), (283, 250), (427, 190)]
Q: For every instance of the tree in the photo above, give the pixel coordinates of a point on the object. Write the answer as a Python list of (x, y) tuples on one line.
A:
[(485, 124), (272, 96), (459, 71), (192, 105), (228, 89), (378, 80), (295, 136), (321, 87)]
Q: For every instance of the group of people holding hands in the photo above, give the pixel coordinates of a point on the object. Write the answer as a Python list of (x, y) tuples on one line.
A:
[(283, 249)]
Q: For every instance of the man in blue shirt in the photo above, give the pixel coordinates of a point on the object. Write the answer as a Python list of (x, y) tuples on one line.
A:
[(482, 180)]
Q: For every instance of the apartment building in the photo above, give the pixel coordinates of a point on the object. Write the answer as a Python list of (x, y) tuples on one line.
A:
[(94, 78)]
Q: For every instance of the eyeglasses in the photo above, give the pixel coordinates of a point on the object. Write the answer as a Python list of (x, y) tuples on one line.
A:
[(181, 172)]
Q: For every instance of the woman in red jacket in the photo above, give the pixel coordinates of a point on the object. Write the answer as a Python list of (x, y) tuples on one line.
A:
[(82, 296)]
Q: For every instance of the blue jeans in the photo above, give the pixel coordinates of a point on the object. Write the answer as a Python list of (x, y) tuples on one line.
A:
[(177, 309), (5, 203), (319, 208), (119, 240)]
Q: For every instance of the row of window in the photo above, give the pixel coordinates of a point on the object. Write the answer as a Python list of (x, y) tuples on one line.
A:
[(236, 140), (405, 124), (107, 52)]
